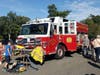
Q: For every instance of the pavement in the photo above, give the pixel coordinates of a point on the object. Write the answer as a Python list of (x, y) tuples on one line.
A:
[(75, 64)]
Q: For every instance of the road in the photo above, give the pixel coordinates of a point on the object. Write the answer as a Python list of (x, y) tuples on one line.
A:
[(75, 64)]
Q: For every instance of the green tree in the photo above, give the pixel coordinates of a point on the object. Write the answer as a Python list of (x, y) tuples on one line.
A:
[(93, 23), (3, 25), (53, 12), (10, 25)]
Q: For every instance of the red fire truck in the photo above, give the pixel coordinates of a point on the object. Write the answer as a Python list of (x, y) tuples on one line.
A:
[(56, 35)]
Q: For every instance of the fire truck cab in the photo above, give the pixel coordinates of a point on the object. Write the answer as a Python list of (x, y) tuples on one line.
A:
[(56, 35)]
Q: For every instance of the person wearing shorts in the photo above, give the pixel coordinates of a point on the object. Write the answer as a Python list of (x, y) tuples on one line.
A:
[(8, 53)]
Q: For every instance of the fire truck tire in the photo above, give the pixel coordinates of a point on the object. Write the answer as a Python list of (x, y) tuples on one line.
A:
[(60, 53)]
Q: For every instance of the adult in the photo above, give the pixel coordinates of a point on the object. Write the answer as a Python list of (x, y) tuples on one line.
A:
[(1, 51), (85, 44), (96, 44)]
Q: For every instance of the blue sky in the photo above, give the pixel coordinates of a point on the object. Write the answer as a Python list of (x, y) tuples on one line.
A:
[(81, 9)]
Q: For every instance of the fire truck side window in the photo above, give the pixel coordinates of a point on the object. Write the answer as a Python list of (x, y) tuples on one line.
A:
[(51, 30), (55, 29), (72, 28), (60, 30), (66, 28)]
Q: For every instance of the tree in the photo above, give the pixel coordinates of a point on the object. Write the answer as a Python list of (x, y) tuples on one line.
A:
[(3, 25), (53, 12), (93, 23), (10, 25)]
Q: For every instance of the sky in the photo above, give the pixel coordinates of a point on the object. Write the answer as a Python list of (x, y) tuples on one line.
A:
[(80, 9)]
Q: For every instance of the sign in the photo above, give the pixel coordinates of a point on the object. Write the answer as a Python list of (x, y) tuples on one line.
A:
[(69, 40)]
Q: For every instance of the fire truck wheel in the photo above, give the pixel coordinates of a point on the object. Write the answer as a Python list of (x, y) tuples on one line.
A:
[(60, 53)]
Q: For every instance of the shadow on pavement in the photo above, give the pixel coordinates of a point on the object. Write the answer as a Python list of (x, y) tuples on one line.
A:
[(52, 57), (90, 74), (90, 57), (69, 54), (49, 57), (94, 64)]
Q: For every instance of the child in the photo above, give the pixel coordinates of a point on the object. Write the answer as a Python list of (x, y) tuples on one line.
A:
[(8, 53)]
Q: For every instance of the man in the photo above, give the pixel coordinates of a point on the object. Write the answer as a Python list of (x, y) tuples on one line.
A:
[(85, 43), (96, 44)]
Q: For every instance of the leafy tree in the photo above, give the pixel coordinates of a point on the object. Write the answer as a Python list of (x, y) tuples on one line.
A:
[(93, 24), (3, 24), (96, 19), (10, 25), (53, 12)]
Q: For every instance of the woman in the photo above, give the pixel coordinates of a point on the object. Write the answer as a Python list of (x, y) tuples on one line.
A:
[(1, 51), (96, 44)]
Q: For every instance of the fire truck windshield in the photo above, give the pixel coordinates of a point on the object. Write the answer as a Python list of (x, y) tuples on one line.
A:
[(34, 29)]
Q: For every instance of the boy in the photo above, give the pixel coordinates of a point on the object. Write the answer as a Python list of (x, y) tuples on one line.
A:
[(8, 53)]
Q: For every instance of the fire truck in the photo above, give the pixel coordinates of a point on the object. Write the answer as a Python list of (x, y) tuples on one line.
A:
[(56, 35)]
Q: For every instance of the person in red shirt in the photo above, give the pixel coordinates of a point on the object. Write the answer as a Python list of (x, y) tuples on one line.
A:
[(1, 51)]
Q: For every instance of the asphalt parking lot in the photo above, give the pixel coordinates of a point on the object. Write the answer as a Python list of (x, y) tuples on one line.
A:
[(75, 64)]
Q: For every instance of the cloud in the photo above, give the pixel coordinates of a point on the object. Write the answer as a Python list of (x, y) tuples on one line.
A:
[(82, 9)]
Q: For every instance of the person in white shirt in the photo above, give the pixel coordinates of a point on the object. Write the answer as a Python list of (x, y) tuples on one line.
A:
[(96, 44), (85, 44)]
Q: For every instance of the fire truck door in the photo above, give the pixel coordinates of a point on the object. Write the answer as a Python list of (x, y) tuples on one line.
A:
[(52, 42), (70, 36)]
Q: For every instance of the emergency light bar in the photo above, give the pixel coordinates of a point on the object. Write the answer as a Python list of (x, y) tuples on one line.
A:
[(39, 21)]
